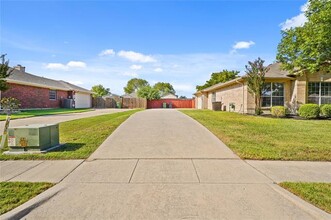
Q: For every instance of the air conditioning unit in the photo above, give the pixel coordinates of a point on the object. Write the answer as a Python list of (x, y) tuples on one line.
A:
[(36, 137)]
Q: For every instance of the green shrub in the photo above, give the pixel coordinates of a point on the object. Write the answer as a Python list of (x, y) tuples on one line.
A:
[(326, 110), (309, 111), (278, 111)]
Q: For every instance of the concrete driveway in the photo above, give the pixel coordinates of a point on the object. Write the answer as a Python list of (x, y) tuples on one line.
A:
[(49, 119), (161, 164)]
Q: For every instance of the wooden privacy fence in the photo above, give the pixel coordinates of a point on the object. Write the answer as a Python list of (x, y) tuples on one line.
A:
[(111, 102), (105, 102), (174, 103), (134, 103)]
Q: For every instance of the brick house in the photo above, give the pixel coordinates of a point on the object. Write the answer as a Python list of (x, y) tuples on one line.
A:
[(281, 89), (38, 92)]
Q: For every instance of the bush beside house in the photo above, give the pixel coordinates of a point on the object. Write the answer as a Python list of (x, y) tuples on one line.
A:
[(326, 110), (309, 111), (278, 111)]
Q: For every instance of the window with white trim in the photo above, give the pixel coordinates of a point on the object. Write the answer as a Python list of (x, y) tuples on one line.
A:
[(319, 92), (52, 95), (213, 97), (273, 94)]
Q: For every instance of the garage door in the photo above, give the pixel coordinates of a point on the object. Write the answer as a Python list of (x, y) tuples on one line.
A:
[(82, 100)]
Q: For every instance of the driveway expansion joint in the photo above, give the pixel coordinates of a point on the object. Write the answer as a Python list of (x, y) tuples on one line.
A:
[(260, 172), (195, 169), (24, 171), (134, 169)]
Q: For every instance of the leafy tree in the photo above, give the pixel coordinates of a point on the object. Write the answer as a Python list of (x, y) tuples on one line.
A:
[(149, 93), (100, 91), (223, 76), (255, 72), (182, 97), (306, 50), (134, 85), (164, 88), (5, 71)]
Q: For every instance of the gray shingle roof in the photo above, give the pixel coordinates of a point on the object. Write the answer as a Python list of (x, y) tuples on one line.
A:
[(25, 78), (275, 71)]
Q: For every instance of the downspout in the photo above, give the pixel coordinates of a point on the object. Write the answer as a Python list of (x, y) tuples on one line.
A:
[(243, 105)]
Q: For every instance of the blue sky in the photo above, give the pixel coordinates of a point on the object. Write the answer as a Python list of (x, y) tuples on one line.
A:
[(109, 42)]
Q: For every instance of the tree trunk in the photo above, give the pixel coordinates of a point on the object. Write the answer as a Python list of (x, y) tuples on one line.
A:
[(5, 133), (257, 104)]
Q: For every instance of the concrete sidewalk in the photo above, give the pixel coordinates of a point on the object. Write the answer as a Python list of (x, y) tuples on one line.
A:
[(52, 171), (161, 164), (294, 171)]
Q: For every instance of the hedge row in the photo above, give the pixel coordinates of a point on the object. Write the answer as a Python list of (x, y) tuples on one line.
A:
[(308, 111)]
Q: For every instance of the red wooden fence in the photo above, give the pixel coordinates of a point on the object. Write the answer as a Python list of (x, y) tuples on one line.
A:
[(176, 103)]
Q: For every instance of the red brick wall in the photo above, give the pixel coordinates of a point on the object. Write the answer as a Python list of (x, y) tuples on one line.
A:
[(33, 97)]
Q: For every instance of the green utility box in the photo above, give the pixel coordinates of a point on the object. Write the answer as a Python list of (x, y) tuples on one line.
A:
[(164, 105), (37, 137)]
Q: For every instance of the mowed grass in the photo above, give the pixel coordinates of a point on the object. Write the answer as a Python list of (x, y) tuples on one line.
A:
[(81, 137), (261, 138), (13, 194), (318, 194), (33, 113)]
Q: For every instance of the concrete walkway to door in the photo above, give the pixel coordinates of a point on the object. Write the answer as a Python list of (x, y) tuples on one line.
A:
[(161, 164)]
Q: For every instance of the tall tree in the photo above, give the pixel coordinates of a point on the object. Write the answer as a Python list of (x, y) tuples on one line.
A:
[(164, 88), (100, 91), (5, 71), (134, 85), (255, 72), (223, 76), (306, 50), (148, 93)]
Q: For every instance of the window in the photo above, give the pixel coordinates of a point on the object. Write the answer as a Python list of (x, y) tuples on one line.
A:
[(273, 94), (52, 94), (319, 92), (213, 97)]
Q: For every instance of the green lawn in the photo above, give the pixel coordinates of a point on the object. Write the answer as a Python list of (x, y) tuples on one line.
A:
[(82, 137), (33, 113), (13, 194), (319, 194), (262, 138)]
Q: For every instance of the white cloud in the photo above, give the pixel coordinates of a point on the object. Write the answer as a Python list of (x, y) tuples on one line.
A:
[(158, 70), (69, 65), (136, 67), (131, 74), (136, 57), (296, 21), (243, 45), (107, 52), (76, 64), (56, 66), (76, 82)]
